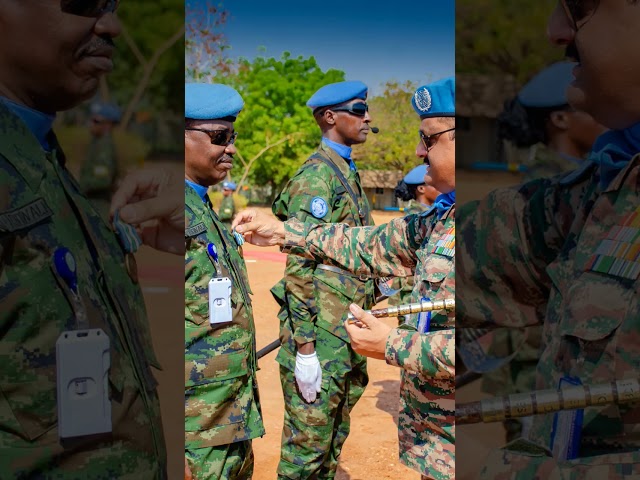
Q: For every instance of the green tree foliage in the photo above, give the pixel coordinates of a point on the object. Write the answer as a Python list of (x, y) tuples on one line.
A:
[(276, 128), (503, 37), (394, 147)]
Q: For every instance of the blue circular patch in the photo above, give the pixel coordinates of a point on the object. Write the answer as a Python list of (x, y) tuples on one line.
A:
[(319, 207)]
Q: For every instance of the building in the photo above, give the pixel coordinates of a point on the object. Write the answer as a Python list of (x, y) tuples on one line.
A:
[(379, 186)]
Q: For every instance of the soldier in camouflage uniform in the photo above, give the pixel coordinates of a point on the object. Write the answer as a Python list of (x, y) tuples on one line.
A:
[(227, 208), (316, 356), (423, 243), (100, 169), (559, 138), (564, 251), (42, 211), (222, 408), (420, 197)]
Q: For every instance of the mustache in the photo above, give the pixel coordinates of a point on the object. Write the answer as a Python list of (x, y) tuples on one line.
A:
[(225, 158), (572, 52), (97, 44)]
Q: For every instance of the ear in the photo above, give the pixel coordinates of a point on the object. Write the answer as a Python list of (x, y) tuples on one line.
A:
[(421, 188), (329, 117), (559, 119)]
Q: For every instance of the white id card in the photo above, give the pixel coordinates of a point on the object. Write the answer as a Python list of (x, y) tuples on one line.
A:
[(220, 300), (82, 364)]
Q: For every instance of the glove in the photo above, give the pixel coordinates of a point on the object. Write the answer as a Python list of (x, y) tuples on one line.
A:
[(308, 375)]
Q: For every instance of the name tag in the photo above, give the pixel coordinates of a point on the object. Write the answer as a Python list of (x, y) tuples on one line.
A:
[(195, 230), (25, 216)]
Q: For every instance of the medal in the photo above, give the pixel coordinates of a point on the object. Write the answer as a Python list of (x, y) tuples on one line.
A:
[(132, 266)]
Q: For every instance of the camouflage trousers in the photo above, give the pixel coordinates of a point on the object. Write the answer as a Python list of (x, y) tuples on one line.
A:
[(233, 461), (314, 433)]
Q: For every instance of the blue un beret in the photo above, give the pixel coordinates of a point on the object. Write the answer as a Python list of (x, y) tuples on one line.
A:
[(336, 93), (437, 99), (549, 87), (416, 176), (108, 111), (229, 185), (210, 101)]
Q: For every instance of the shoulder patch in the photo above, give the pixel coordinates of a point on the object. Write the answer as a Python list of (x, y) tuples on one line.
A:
[(319, 207), (579, 173)]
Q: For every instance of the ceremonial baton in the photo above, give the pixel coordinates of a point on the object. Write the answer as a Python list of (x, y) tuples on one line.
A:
[(423, 306), (268, 349), (540, 402)]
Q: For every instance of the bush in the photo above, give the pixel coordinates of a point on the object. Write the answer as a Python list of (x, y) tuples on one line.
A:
[(215, 196)]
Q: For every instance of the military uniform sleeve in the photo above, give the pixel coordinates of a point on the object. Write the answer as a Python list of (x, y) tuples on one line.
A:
[(383, 250), (296, 202), (424, 354)]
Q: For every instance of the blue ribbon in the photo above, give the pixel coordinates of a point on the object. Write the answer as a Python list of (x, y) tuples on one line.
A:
[(443, 202), (613, 150)]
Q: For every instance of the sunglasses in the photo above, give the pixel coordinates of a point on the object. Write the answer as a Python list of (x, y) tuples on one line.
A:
[(579, 11), (359, 109), (429, 141), (218, 137), (89, 8)]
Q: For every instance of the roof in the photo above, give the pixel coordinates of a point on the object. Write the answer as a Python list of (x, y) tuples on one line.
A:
[(483, 95), (380, 178)]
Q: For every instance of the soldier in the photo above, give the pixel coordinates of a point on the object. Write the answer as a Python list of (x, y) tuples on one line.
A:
[(227, 206), (79, 397), (560, 138), (100, 168), (222, 408), (424, 347), (564, 251), (316, 355), (419, 196)]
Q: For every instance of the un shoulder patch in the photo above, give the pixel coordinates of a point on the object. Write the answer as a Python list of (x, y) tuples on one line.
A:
[(319, 207)]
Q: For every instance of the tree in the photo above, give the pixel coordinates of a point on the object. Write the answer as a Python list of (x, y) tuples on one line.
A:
[(205, 46), (394, 147), (503, 37), (276, 131)]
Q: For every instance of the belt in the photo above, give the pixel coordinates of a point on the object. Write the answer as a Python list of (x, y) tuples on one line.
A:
[(330, 268)]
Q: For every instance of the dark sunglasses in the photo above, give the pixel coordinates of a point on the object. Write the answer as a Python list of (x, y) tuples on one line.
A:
[(218, 137), (579, 11), (359, 109), (89, 8), (429, 141)]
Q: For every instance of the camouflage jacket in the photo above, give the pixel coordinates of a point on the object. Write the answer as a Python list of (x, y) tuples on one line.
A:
[(544, 162), (227, 209), (42, 209), (311, 297), (99, 171), (564, 251), (423, 244), (221, 392)]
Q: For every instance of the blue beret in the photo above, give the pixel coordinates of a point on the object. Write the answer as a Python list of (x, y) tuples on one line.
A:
[(437, 99), (416, 176), (109, 111), (209, 101), (229, 185), (548, 88), (336, 93)]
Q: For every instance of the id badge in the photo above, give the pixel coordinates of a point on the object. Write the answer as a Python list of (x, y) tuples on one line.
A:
[(82, 366), (567, 426), (220, 300)]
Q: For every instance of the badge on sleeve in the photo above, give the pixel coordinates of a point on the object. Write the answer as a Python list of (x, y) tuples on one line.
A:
[(319, 207)]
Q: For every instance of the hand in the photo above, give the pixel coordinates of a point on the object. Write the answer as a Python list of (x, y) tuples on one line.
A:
[(153, 201), (187, 471), (259, 228), (368, 335), (308, 376)]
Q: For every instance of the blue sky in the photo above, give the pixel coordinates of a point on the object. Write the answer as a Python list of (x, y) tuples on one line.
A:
[(370, 41)]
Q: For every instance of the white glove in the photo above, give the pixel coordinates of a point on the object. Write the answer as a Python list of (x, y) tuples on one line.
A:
[(308, 375)]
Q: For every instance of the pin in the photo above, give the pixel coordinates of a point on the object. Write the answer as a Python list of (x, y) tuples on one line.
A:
[(211, 248), (239, 238), (65, 265)]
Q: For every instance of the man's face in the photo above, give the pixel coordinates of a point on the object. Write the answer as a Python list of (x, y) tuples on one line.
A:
[(100, 126), (207, 164), (227, 192), (607, 83), (440, 156), (51, 60), (351, 129)]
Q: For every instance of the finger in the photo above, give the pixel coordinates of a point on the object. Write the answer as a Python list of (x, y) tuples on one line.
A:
[(359, 314), (150, 209), (250, 226), (133, 184), (243, 217)]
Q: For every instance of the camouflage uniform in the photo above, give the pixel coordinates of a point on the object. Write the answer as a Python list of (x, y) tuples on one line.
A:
[(222, 407), (42, 209), (314, 302), (562, 251), (99, 172), (227, 210), (519, 374), (405, 284), (424, 244)]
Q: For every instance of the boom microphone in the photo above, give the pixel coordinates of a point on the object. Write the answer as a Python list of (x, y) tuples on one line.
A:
[(374, 129)]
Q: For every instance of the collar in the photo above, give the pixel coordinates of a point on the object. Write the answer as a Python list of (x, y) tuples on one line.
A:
[(613, 150), (39, 123), (199, 189), (342, 150), (444, 202)]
